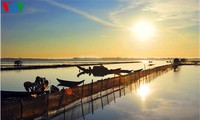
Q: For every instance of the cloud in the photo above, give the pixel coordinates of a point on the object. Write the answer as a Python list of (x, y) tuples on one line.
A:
[(84, 14), (177, 9), (128, 14), (173, 14), (166, 15)]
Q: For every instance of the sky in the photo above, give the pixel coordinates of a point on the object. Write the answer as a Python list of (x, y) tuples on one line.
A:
[(101, 28)]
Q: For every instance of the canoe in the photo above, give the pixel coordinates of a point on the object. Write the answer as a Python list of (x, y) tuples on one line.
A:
[(84, 69), (54, 89), (138, 70), (126, 71), (101, 71), (95, 69), (16, 94), (151, 64), (150, 61), (115, 71), (69, 83)]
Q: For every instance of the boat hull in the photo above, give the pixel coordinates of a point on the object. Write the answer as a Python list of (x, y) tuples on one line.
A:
[(16, 94), (69, 83)]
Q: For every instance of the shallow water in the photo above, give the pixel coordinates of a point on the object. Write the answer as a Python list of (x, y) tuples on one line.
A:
[(172, 96), (13, 80)]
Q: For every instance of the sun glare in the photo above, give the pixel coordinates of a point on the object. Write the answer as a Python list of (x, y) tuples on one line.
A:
[(143, 91), (143, 30)]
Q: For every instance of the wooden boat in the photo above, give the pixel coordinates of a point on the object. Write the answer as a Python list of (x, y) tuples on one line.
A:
[(115, 71), (151, 64), (138, 70), (168, 61), (54, 89), (101, 70), (95, 69), (126, 71), (69, 83), (16, 94), (84, 69), (150, 61)]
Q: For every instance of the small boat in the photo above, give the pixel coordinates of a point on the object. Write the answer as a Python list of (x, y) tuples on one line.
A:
[(138, 70), (168, 61), (126, 71), (16, 94), (95, 69), (98, 71), (54, 89), (69, 83), (101, 70), (84, 69), (115, 71), (150, 61), (151, 64)]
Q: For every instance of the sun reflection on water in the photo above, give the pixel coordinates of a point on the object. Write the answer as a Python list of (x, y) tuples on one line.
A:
[(143, 91)]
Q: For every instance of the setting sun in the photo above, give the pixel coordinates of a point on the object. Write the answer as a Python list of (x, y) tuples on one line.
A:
[(143, 30)]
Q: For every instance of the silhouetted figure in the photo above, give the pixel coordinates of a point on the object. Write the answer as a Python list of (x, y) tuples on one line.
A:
[(29, 86), (41, 83), (38, 86)]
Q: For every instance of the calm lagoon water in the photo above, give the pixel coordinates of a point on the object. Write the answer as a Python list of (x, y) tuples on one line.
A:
[(171, 96), (13, 80)]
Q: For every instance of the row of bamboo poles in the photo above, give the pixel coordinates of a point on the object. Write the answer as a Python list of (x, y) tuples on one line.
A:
[(49, 105), (91, 103)]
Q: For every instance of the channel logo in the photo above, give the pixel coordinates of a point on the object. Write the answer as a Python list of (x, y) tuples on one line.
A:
[(13, 7)]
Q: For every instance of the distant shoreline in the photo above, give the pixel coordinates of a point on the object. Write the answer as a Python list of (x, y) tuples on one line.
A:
[(27, 67)]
